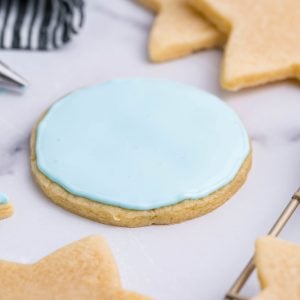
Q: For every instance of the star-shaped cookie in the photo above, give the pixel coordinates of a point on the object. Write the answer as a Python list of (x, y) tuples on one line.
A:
[(278, 265), (263, 39), (82, 270), (179, 30)]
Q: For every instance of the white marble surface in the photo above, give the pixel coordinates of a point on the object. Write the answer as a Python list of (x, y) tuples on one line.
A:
[(198, 259)]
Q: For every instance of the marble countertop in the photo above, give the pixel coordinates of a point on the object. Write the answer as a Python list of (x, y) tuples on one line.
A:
[(198, 259)]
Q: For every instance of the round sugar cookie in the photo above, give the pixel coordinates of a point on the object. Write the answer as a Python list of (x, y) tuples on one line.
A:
[(6, 209), (137, 152)]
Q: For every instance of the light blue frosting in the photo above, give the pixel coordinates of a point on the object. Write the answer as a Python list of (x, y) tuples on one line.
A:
[(3, 199), (141, 144)]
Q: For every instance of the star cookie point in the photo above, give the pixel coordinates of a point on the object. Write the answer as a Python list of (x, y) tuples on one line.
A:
[(263, 43), (278, 265), (179, 30), (82, 270)]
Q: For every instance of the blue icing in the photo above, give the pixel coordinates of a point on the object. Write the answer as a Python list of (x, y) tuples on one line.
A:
[(141, 144), (3, 199)]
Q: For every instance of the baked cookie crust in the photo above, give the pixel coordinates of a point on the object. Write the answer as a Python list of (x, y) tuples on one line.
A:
[(179, 30)]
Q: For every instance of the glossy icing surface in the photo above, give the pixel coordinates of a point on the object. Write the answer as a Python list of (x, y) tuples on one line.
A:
[(3, 199), (141, 144)]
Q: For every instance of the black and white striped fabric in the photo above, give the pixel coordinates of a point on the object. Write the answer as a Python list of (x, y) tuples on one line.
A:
[(39, 24)]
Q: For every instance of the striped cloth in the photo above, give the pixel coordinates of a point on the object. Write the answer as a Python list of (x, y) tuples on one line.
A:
[(39, 24)]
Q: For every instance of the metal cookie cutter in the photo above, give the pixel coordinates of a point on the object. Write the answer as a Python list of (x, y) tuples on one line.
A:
[(10, 80), (233, 293)]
